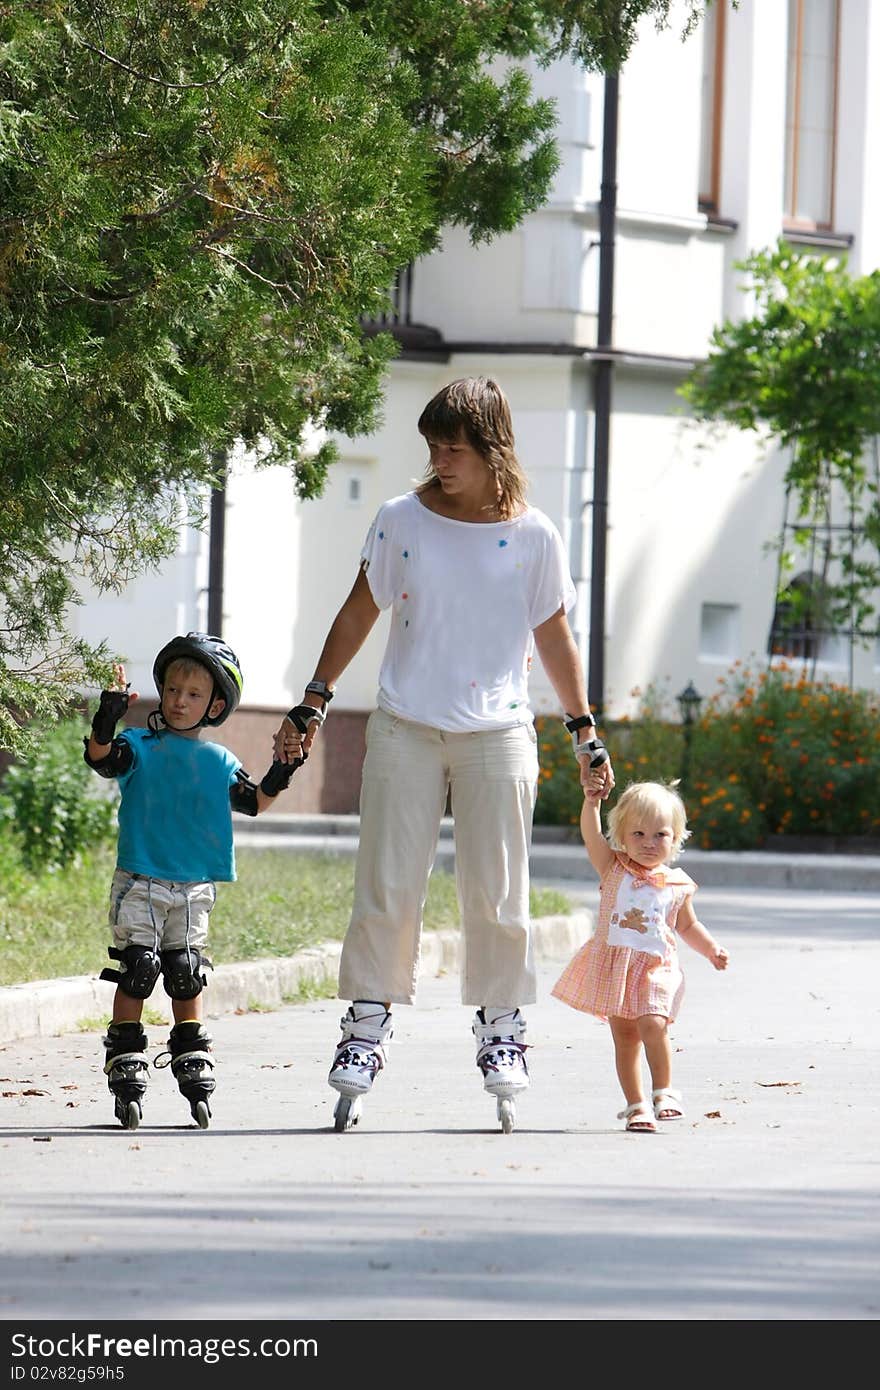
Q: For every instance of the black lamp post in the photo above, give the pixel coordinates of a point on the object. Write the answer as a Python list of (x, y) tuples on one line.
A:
[(689, 702)]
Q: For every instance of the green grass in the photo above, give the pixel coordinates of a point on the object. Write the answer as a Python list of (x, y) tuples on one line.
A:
[(55, 924)]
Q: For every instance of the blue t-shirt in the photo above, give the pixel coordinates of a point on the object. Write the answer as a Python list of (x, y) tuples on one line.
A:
[(175, 819)]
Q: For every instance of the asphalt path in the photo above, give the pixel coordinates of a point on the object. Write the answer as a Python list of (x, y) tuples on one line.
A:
[(761, 1204)]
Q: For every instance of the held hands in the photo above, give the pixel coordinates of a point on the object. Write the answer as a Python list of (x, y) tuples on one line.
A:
[(594, 760), (597, 780), (294, 739)]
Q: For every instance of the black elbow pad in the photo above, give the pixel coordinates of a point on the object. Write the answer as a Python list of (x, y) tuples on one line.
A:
[(243, 795), (116, 760)]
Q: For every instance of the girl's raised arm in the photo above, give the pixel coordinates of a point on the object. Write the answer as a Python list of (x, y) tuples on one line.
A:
[(597, 847)]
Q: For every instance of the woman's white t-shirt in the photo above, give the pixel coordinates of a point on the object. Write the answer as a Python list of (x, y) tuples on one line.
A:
[(464, 598)]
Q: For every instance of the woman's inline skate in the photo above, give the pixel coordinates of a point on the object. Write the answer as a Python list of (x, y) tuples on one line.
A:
[(500, 1034), (127, 1071), (192, 1066), (360, 1055)]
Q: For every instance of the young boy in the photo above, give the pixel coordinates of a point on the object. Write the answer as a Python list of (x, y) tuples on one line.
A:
[(175, 843)]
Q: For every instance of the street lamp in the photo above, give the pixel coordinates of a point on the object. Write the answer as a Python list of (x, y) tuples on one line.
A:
[(689, 702)]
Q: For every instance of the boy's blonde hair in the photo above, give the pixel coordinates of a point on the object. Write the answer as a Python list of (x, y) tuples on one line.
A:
[(477, 408), (649, 798), (184, 666)]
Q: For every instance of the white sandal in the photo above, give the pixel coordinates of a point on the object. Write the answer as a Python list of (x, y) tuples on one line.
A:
[(638, 1118), (667, 1104)]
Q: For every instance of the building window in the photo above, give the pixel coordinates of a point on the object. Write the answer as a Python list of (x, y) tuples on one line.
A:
[(711, 105), (719, 631), (803, 626), (354, 490), (811, 113)]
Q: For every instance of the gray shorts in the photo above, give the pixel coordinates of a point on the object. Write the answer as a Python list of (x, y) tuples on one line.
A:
[(161, 915)]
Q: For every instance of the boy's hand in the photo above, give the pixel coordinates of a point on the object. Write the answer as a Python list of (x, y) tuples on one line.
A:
[(112, 706), (120, 684)]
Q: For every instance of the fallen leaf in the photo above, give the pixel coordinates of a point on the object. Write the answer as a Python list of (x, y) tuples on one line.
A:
[(778, 1083)]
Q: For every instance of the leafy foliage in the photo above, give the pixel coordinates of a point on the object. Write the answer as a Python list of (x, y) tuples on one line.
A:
[(647, 748), (202, 204), (806, 368), (52, 805), (776, 754), (770, 754)]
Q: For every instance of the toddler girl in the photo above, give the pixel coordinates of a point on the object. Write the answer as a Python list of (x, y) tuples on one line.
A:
[(628, 972)]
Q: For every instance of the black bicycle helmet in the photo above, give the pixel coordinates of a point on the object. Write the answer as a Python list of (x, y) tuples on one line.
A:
[(216, 657)]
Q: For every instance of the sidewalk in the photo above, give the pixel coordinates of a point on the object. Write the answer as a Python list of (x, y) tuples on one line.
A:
[(46, 1008), (761, 1204)]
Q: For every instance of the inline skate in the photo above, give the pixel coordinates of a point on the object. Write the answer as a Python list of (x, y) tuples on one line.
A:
[(501, 1050), (192, 1066), (127, 1071), (360, 1055)]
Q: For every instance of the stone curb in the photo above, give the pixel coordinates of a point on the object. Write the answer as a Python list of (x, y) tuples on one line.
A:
[(46, 1008)]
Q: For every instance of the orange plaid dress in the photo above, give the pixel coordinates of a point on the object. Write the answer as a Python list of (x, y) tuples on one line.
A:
[(618, 981)]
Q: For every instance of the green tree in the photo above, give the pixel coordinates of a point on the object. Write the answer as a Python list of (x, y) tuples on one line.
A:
[(201, 204), (805, 369)]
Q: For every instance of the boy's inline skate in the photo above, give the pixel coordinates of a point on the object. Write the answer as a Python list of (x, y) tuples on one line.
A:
[(192, 1065), (127, 1070), (501, 1049), (360, 1055)]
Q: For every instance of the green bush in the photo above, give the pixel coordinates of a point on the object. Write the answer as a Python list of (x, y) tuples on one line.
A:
[(559, 792), (648, 748), (53, 806), (722, 816), (771, 753), (803, 756)]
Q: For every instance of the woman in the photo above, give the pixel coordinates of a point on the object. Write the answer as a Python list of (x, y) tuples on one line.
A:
[(475, 578)]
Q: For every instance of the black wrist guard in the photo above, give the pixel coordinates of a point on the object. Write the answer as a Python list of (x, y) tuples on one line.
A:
[(596, 749), (301, 716), (112, 707), (277, 779), (576, 727)]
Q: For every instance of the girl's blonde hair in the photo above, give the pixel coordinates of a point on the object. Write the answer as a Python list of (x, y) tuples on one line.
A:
[(477, 408), (649, 798)]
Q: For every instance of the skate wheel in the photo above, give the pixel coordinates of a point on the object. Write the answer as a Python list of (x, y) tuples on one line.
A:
[(132, 1116), (201, 1114), (507, 1115), (347, 1113)]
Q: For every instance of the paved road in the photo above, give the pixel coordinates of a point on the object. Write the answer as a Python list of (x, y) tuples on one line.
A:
[(761, 1205)]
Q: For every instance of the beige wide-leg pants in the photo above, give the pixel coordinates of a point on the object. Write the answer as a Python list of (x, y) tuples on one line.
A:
[(407, 772)]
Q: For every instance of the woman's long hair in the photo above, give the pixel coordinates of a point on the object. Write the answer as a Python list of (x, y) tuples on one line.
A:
[(477, 408)]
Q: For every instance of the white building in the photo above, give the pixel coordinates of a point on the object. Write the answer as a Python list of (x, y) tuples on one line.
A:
[(765, 122)]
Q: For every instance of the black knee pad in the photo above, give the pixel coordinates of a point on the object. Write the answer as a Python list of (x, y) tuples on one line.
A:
[(139, 973), (182, 973)]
